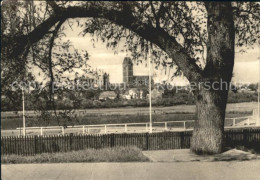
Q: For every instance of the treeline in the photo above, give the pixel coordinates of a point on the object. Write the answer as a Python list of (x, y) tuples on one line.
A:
[(33, 102), (242, 97)]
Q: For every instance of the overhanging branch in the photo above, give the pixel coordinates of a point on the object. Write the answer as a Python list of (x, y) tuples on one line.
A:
[(157, 36)]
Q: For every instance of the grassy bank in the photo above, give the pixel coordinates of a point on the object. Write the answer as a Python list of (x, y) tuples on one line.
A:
[(117, 154), (13, 123)]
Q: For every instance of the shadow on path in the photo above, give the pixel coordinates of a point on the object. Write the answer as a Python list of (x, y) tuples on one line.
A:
[(184, 155)]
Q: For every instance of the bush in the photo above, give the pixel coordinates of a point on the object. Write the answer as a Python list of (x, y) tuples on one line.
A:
[(182, 97), (116, 154), (241, 97)]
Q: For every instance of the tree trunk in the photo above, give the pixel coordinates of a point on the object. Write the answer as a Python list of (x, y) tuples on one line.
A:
[(211, 96), (209, 127)]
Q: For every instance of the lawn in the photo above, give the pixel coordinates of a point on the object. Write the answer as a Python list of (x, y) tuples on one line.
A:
[(124, 115), (16, 122), (116, 154)]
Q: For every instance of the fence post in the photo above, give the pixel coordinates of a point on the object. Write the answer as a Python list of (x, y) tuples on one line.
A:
[(35, 144), (41, 131), (245, 137), (248, 121), (105, 128), (112, 140), (234, 122), (182, 140), (62, 129), (184, 124), (125, 127), (70, 141), (165, 125), (147, 140)]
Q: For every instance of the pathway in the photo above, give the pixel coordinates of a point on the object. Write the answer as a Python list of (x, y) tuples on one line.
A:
[(233, 170)]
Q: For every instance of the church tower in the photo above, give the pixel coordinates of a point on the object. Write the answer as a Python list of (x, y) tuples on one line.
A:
[(128, 71), (105, 79)]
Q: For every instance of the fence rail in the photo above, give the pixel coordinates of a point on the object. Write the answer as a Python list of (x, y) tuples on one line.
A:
[(123, 127), (31, 145), (144, 126)]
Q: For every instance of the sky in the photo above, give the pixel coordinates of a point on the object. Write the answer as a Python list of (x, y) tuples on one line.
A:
[(246, 68)]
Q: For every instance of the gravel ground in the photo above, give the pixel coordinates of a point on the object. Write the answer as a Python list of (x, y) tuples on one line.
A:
[(232, 170)]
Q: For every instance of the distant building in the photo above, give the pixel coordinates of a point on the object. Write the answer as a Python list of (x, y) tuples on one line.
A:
[(127, 71), (97, 78), (141, 81), (105, 79), (134, 93), (125, 96), (156, 93), (246, 90), (107, 95), (128, 75)]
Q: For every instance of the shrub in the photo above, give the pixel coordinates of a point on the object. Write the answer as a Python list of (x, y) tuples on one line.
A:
[(116, 154)]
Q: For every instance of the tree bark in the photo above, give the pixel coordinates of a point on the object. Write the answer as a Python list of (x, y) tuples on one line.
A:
[(209, 127), (211, 95)]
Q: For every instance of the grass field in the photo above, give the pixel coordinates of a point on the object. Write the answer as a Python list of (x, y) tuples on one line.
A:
[(12, 120), (16, 122)]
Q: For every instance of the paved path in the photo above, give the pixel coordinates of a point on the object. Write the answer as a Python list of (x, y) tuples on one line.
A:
[(184, 155), (233, 170)]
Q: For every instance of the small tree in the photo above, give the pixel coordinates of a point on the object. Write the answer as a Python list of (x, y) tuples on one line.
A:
[(253, 87)]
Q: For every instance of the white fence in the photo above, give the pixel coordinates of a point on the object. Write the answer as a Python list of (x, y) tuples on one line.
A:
[(125, 127), (136, 127), (242, 121), (255, 112)]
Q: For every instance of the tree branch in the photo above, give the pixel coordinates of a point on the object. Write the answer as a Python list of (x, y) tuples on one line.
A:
[(54, 35), (155, 15), (157, 36), (54, 6)]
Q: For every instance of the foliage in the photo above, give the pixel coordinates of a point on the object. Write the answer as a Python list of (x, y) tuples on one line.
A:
[(50, 55), (186, 22), (242, 97), (117, 154), (69, 101), (253, 87)]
